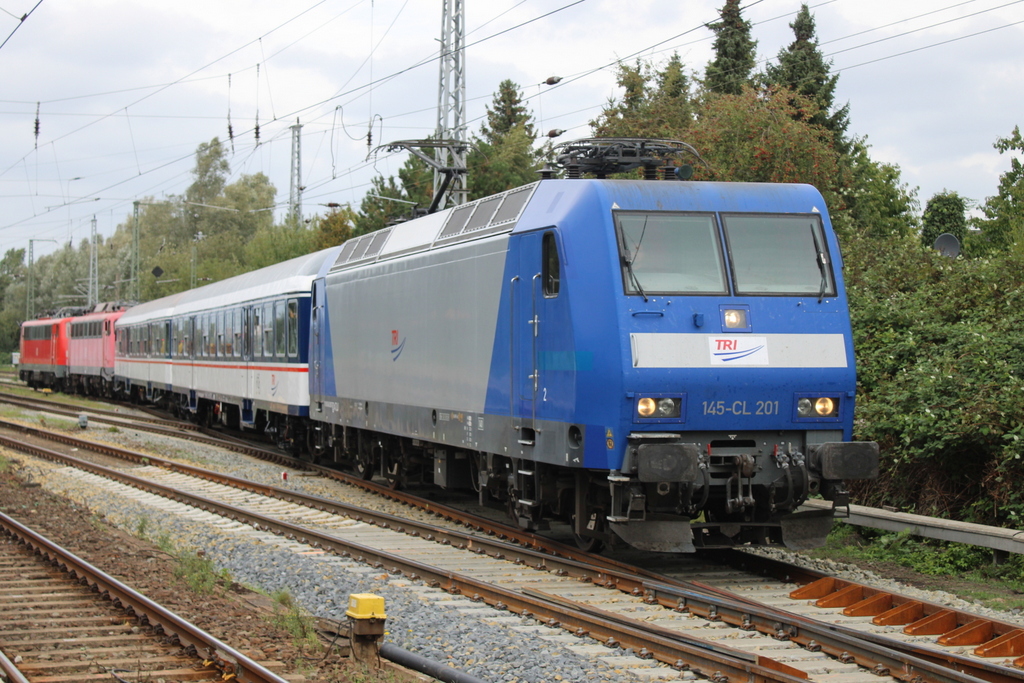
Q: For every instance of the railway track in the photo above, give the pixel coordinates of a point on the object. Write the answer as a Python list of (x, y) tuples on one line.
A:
[(62, 619), (619, 605)]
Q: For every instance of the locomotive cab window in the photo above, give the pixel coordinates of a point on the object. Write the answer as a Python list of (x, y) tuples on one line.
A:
[(551, 270), (670, 253), (779, 255)]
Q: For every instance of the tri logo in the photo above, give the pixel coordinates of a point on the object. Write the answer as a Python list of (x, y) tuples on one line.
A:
[(738, 351), (396, 345)]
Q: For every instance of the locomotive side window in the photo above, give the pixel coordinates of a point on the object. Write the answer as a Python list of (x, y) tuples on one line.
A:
[(779, 254), (670, 253), (550, 270)]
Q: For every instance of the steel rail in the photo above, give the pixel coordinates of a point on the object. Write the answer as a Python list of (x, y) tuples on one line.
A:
[(99, 415), (611, 574), (227, 659), (883, 655), (10, 671)]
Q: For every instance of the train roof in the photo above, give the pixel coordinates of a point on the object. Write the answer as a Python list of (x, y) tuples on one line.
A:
[(546, 202), (294, 276)]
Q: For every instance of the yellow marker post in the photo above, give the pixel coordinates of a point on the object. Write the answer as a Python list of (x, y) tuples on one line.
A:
[(366, 619)]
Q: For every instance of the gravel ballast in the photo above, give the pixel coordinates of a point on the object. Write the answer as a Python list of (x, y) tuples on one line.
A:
[(487, 643)]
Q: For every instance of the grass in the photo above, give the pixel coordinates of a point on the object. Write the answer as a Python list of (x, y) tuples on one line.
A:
[(966, 570), (289, 616), (196, 570)]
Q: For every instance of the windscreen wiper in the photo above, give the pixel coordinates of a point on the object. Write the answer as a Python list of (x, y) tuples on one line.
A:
[(822, 260), (628, 261)]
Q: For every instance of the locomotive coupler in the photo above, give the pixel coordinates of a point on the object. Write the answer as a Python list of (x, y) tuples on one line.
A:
[(746, 466)]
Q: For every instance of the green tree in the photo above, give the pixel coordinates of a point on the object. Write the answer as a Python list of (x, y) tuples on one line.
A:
[(753, 137), (944, 213), (12, 298), (503, 156), (210, 173), (335, 228), (802, 68), (1003, 225), (873, 200), (417, 180), (657, 103), (505, 113), (382, 205), (735, 52), (276, 243)]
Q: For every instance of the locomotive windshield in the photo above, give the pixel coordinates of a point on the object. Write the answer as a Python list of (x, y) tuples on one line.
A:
[(778, 254), (671, 253), (675, 253)]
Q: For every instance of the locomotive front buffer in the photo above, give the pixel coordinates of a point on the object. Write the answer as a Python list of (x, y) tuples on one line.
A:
[(675, 495)]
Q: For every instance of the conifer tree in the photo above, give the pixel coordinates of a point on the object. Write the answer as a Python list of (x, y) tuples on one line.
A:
[(803, 68), (505, 113), (503, 157), (735, 52)]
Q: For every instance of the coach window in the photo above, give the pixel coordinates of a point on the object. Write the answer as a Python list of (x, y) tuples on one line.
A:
[(257, 331), (280, 328), (236, 348), (228, 333), (202, 336), (220, 333), (293, 327), (268, 329), (550, 270)]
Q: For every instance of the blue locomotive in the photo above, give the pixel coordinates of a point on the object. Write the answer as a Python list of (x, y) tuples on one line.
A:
[(665, 362)]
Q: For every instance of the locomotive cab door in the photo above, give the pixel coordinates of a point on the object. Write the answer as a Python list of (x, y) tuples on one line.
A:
[(539, 329), (316, 359)]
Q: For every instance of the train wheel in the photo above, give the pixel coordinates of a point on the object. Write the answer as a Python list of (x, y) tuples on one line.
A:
[(587, 544), (393, 473), (364, 466)]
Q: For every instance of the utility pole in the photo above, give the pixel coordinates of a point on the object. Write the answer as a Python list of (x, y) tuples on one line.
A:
[(30, 294), (94, 272), (451, 101), (295, 187), (195, 244), (133, 284)]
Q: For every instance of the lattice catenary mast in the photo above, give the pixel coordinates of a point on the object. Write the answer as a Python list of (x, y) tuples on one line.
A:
[(451, 101), (295, 187)]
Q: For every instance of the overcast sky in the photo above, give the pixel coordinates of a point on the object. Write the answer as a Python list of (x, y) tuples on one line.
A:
[(127, 90)]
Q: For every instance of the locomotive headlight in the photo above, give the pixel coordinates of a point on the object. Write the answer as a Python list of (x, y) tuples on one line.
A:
[(825, 406), (735, 318), (659, 408), (822, 406), (668, 407), (645, 407)]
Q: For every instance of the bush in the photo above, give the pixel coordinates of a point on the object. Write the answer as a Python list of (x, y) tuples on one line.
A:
[(939, 372)]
